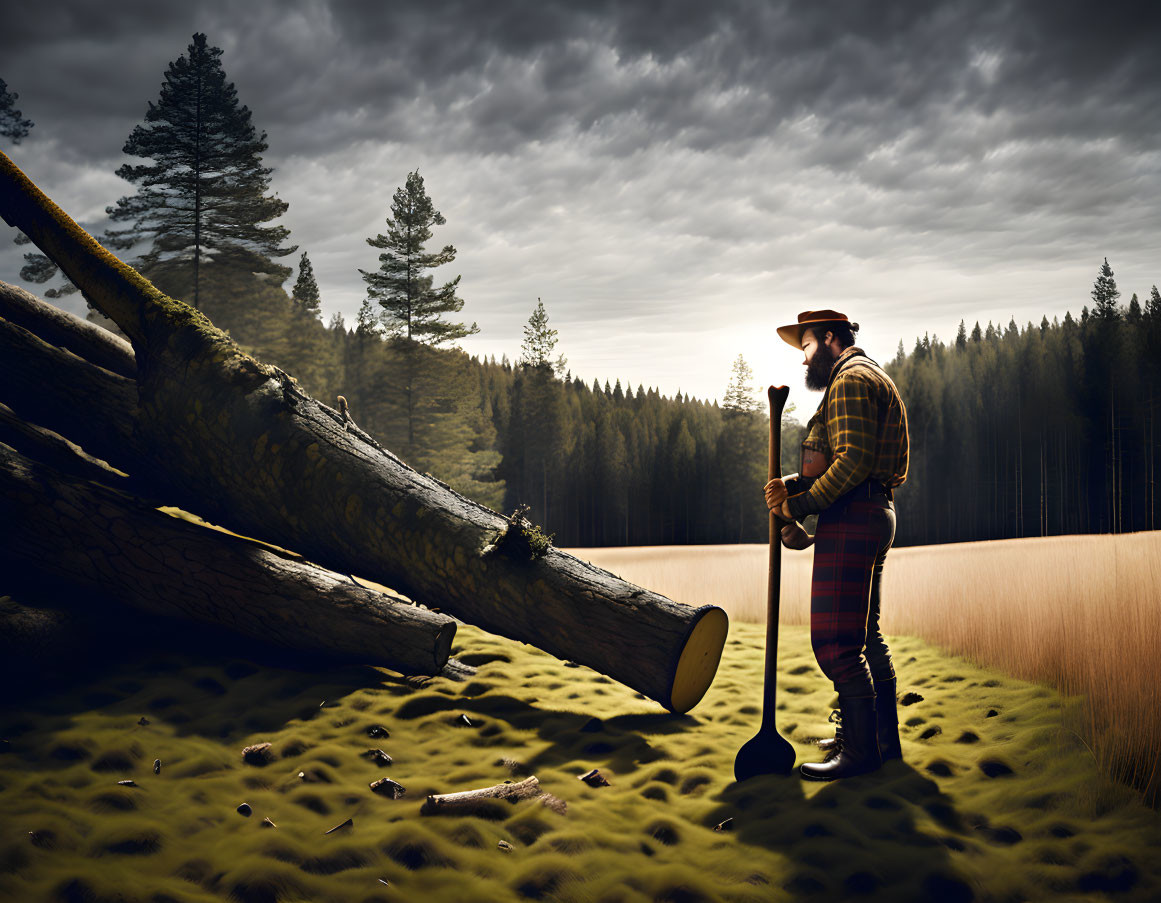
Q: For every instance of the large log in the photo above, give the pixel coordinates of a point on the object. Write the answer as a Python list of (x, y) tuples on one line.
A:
[(71, 531), (64, 330), (237, 441), (85, 403), (52, 449)]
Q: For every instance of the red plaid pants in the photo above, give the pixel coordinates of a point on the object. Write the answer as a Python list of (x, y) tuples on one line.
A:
[(850, 547)]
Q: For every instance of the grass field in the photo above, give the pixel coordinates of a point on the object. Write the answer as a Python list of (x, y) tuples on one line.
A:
[(995, 799), (1079, 613)]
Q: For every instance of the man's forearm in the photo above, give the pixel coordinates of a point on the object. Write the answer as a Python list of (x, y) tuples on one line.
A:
[(849, 468)]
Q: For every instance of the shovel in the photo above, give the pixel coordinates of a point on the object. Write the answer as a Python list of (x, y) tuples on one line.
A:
[(768, 752)]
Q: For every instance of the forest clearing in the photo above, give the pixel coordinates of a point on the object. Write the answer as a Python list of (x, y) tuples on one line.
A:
[(258, 648)]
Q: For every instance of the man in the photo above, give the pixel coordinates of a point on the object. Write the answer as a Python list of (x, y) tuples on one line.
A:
[(857, 442)]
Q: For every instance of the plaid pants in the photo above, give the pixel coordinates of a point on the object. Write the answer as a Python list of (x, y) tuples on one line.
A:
[(850, 546)]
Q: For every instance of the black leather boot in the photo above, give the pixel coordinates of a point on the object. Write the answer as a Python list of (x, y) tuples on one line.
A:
[(888, 718), (859, 752)]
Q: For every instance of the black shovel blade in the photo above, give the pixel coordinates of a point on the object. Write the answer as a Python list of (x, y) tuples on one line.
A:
[(766, 753)]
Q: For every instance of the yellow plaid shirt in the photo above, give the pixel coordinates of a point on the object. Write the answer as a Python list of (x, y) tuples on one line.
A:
[(863, 432)]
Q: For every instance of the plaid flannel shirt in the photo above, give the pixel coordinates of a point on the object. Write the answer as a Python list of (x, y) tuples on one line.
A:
[(863, 432)]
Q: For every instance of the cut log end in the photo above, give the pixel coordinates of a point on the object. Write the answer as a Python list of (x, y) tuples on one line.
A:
[(698, 662)]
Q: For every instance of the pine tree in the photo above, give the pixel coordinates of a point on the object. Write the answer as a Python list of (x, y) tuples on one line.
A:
[(305, 292), (539, 342), (412, 308), (961, 337), (412, 316), (1153, 305), (1134, 313), (1105, 294), (739, 397), (977, 335), (13, 125), (202, 197), (536, 444), (368, 323)]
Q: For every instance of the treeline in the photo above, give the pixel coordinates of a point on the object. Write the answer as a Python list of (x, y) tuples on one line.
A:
[(1041, 430), (596, 464), (1035, 431), (1015, 432)]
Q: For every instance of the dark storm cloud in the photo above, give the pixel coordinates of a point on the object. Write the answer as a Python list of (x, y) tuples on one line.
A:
[(709, 74), (641, 158)]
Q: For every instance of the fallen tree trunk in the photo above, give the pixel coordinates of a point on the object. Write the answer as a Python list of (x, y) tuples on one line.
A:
[(64, 330), (54, 450), (56, 389), (238, 442), (91, 537)]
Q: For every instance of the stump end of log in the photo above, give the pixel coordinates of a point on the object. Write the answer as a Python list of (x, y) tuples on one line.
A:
[(697, 663)]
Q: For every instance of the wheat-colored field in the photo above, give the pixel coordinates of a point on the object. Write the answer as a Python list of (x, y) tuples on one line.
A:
[(1080, 613)]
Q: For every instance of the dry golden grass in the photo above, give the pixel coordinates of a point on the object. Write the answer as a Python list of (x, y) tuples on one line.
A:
[(1080, 613)]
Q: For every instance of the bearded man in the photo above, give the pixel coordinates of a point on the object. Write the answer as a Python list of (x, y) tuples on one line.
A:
[(854, 455)]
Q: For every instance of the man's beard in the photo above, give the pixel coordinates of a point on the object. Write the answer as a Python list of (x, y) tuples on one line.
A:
[(818, 370)]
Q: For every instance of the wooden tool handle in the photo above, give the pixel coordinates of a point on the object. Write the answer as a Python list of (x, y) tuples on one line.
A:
[(777, 396)]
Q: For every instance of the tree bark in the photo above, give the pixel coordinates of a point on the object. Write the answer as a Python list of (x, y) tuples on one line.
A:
[(56, 389), (91, 537), (236, 441), (57, 327), (56, 451)]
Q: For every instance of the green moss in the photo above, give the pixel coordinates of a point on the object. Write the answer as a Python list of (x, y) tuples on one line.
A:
[(520, 539), (649, 835)]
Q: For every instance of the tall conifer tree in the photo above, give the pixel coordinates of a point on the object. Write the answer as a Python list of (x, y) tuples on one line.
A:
[(202, 196), (412, 307), (1105, 293), (305, 292), (537, 442), (740, 392), (740, 447), (539, 341), (414, 310)]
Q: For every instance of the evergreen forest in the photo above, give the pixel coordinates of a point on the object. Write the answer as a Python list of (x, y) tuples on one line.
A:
[(1015, 431)]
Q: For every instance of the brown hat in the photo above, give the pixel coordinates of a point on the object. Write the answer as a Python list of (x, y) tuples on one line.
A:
[(792, 334)]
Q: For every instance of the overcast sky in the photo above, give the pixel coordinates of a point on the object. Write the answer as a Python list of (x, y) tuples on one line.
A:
[(673, 179)]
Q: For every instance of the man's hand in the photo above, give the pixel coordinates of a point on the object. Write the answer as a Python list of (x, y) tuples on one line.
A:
[(794, 537), (775, 493)]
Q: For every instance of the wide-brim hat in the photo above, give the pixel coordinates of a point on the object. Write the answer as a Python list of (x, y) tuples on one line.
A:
[(792, 334)]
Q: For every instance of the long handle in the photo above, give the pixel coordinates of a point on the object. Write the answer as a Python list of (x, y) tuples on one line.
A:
[(777, 396)]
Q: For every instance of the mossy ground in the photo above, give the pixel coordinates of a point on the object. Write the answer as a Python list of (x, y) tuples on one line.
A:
[(994, 801)]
